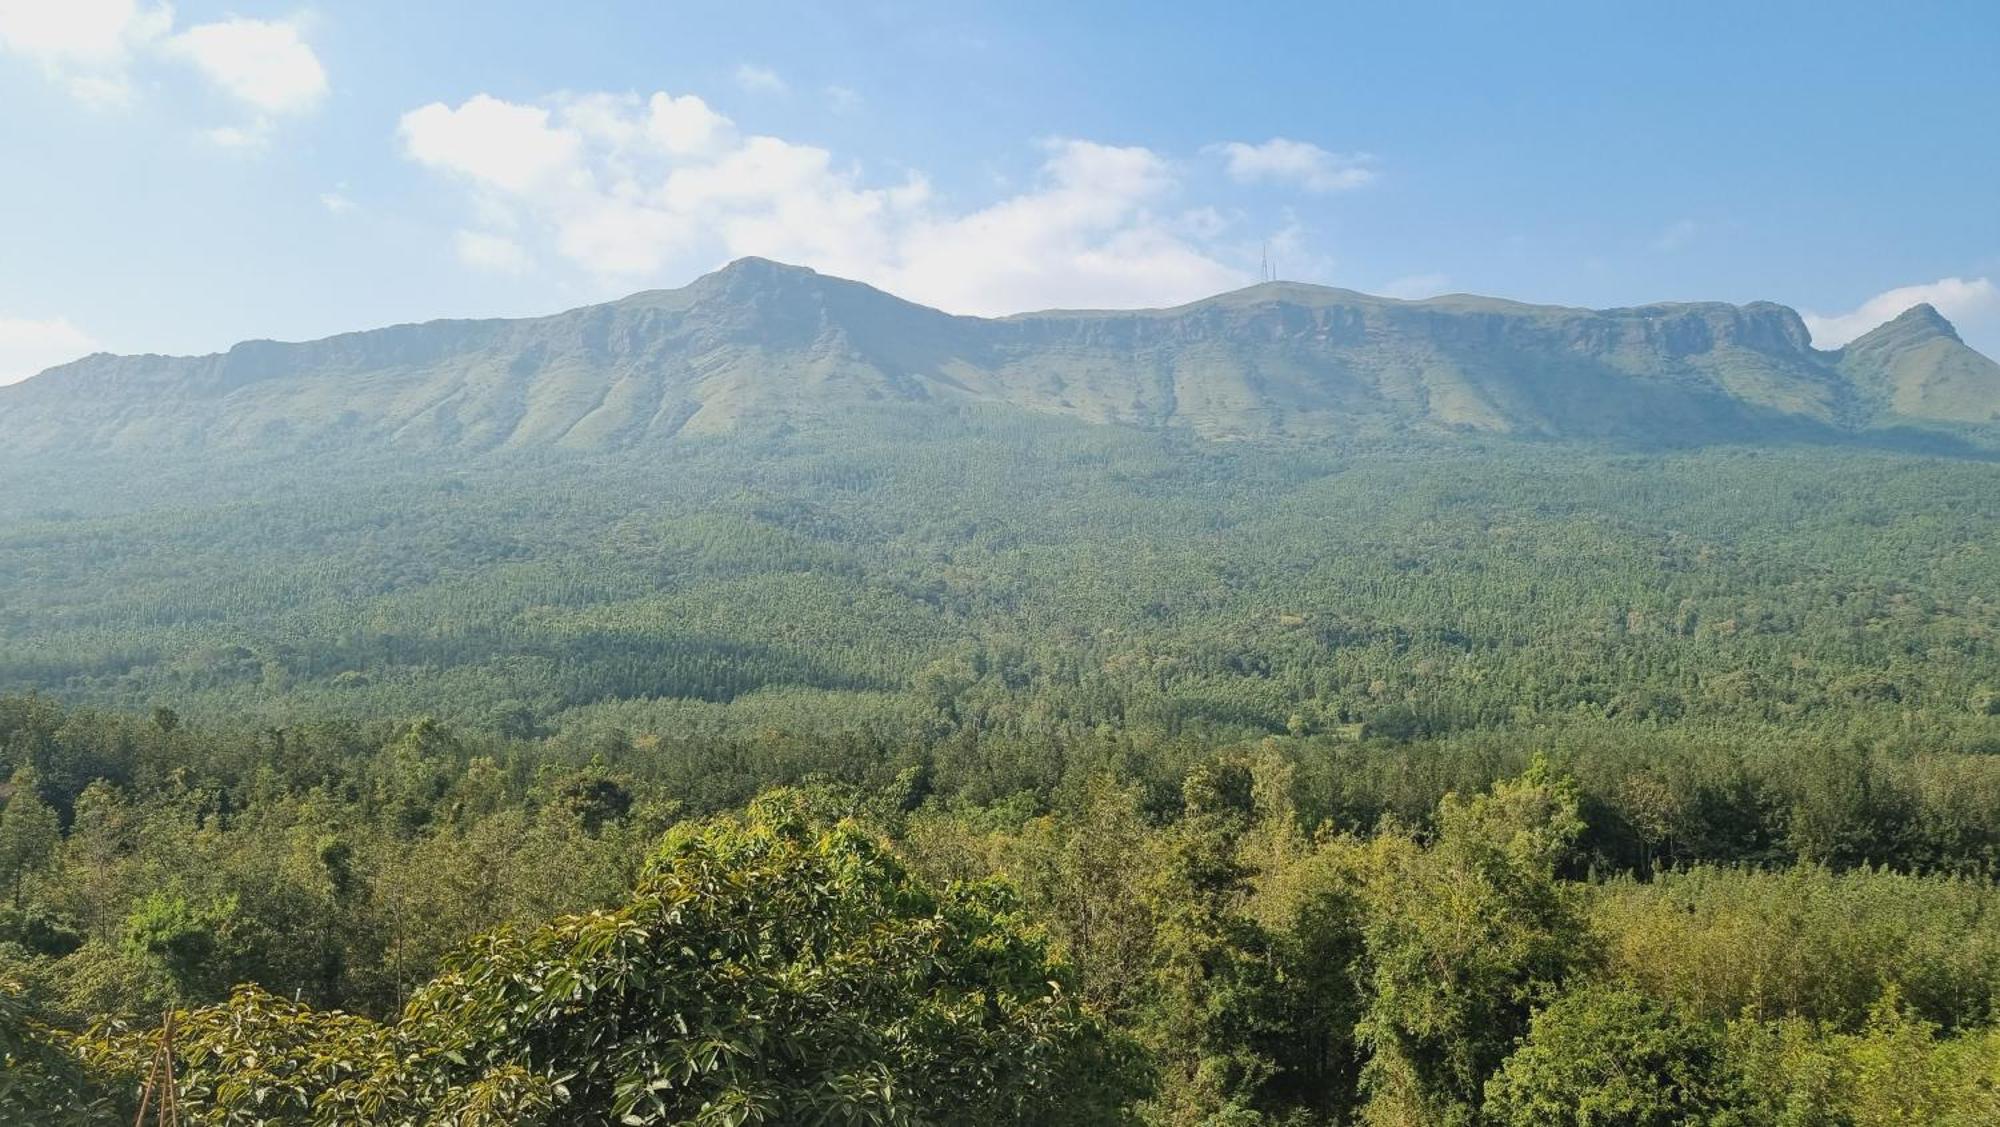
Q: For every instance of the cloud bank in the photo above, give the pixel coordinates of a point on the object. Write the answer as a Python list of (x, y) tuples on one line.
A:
[(631, 189), (95, 48)]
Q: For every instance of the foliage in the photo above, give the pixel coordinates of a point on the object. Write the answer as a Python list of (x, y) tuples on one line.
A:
[(847, 950), (1212, 992), (1463, 938), (256, 1059), (776, 968), (1727, 943), (1893, 1070), (1025, 578), (1608, 1057), (29, 833), (40, 1081)]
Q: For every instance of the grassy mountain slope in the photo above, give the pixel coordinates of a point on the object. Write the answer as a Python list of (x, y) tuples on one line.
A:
[(1916, 367), (760, 343)]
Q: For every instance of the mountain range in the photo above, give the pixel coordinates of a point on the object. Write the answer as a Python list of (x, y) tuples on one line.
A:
[(759, 343)]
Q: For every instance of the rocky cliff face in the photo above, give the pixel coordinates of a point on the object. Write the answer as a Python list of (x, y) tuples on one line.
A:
[(761, 342)]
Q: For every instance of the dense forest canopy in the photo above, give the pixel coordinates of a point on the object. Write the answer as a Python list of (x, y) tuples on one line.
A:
[(803, 773), (909, 565)]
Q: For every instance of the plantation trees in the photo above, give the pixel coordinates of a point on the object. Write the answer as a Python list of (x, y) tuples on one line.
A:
[(772, 968)]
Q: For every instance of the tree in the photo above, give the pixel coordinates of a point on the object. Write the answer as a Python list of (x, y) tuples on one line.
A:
[(1601, 1056), (1900, 1071), (40, 1082), (29, 833), (258, 1059), (1894, 1071), (1306, 895), (1083, 870), (1213, 1006), (1462, 938), (773, 968), (1317, 912), (188, 943)]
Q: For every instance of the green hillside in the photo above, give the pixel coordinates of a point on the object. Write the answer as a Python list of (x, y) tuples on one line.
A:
[(758, 343), (1916, 367)]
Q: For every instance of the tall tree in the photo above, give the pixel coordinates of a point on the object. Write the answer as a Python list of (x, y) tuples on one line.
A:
[(29, 833), (1463, 938)]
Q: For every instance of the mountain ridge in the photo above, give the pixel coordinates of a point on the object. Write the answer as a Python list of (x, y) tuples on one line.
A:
[(764, 341)]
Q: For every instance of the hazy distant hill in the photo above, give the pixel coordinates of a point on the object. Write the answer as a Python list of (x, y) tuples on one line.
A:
[(764, 343)]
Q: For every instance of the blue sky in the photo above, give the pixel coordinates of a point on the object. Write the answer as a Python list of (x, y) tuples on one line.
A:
[(177, 179)]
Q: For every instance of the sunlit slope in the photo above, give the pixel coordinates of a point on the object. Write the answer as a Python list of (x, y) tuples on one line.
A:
[(766, 344), (1916, 367)]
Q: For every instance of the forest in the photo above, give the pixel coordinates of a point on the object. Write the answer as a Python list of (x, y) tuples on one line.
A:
[(996, 770)]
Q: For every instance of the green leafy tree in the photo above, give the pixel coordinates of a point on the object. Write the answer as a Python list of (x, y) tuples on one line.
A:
[(1213, 1005), (1900, 1071), (1084, 870), (1607, 1057), (191, 944), (1319, 945), (774, 968), (1896, 1070), (1463, 937), (255, 1059), (29, 833), (780, 969), (40, 1081)]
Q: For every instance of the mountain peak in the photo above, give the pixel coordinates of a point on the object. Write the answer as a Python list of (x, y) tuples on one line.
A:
[(1919, 323), (752, 266), (760, 282), (1918, 367), (751, 273)]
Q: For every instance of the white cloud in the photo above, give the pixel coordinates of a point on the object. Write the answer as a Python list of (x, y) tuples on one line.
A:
[(1960, 300), (1417, 286), (1084, 235), (234, 137), (265, 64), (1676, 235), (28, 346), (80, 31), (759, 80), (684, 126), (505, 146), (633, 190), (487, 251), (94, 47), (1300, 163), (842, 99), (87, 45), (337, 201)]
